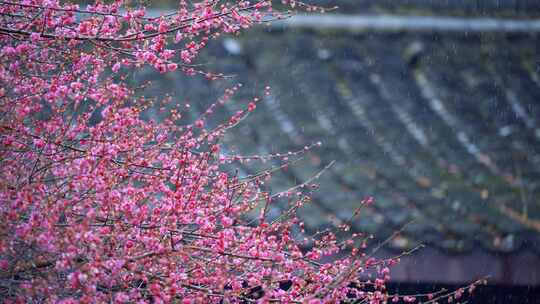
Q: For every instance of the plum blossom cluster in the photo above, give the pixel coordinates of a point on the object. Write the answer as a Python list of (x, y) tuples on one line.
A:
[(98, 204)]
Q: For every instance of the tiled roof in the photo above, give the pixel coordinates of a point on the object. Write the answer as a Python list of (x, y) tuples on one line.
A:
[(442, 129)]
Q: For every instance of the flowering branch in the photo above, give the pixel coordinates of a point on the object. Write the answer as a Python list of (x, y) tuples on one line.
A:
[(98, 204)]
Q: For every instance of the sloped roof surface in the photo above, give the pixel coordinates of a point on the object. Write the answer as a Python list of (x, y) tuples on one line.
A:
[(442, 129)]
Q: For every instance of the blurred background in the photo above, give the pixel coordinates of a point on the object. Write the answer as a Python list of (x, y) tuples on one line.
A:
[(430, 107)]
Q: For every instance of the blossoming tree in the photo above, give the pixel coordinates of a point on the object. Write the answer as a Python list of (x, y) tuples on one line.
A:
[(100, 205)]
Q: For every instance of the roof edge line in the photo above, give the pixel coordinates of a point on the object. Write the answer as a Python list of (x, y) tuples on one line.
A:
[(356, 23)]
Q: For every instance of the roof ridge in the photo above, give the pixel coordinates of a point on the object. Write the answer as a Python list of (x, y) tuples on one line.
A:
[(392, 22)]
